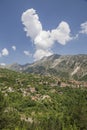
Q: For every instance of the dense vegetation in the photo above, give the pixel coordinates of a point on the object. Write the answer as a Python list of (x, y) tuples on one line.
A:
[(35, 102)]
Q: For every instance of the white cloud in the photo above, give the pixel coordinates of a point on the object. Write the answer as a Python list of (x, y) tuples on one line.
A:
[(0, 55), (4, 52), (2, 64), (83, 28), (31, 22), (44, 40), (62, 33), (14, 48), (27, 53), (40, 53)]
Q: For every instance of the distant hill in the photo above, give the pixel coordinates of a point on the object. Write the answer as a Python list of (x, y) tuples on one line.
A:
[(67, 66)]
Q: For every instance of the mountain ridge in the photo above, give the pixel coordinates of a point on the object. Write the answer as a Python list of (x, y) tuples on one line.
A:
[(67, 66)]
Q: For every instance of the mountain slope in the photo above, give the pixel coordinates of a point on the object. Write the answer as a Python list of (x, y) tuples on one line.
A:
[(69, 66), (65, 66)]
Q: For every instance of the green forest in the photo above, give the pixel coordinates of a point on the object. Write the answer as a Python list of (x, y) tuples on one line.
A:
[(36, 102)]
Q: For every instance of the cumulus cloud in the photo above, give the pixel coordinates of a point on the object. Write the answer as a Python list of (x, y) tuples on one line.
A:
[(31, 22), (27, 53), (83, 28), (14, 48), (2, 64), (0, 55), (44, 40), (40, 53), (62, 33), (4, 52)]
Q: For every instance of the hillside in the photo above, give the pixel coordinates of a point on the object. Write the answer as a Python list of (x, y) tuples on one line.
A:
[(37, 102), (69, 66), (63, 66)]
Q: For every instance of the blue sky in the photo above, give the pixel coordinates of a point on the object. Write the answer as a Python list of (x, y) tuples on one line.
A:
[(32, 29)]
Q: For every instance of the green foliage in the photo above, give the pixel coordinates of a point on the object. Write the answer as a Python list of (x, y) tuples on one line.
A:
[(32, 102), (52, 71), (84, 78), (36, 70)]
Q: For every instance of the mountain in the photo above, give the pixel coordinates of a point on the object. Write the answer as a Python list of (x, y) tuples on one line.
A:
[(65, 66), (15, 67)]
